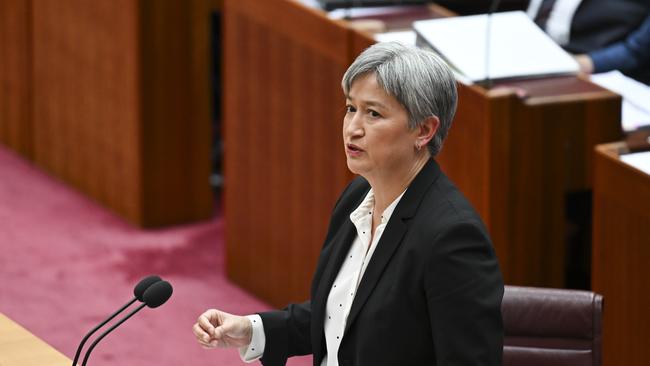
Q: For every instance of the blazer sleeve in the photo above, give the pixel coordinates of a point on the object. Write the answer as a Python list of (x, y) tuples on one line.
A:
[(464, 289), (287, 333), (628, 55)]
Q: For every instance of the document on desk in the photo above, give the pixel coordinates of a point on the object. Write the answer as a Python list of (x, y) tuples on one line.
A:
[(640, 160), (517, 46), (404, 37), (636, 98)]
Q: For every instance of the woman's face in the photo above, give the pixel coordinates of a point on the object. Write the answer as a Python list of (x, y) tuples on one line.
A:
[(376, 136)]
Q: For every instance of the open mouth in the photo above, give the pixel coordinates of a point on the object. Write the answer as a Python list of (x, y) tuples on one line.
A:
[(354, 148)]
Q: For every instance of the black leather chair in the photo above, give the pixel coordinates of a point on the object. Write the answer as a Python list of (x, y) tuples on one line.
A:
[(551, 327)]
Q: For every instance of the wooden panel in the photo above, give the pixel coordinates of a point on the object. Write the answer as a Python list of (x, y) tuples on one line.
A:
[(121, 108), (621, 252), (284, 161), (175, 112), (16, 76), (86, 99), (18, 347), (550, 162)]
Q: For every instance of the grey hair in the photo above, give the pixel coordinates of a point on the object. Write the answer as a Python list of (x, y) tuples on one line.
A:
[(418, 79)]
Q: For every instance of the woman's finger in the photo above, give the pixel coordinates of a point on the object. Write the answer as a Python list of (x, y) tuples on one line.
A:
[(206, 325)]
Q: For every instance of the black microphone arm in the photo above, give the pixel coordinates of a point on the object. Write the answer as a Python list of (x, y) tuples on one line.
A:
[(138, 292), (92, 346), (494, 5), (83, 341), (156, 295)]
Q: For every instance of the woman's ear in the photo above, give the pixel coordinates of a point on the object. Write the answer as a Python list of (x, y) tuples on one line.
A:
[(427, 130)]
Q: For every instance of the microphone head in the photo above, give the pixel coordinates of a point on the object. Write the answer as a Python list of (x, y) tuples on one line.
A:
[(143, 285), (157, 294)]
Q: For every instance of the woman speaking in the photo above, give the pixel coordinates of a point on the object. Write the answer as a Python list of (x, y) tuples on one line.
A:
[(407, 274)]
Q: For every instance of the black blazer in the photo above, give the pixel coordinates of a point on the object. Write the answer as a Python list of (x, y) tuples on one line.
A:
[(431, 294)]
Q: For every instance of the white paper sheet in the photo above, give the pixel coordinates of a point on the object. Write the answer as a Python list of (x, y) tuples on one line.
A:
[(518, 47), (640, 160), (372, 11), (636, 98), (405, 37)]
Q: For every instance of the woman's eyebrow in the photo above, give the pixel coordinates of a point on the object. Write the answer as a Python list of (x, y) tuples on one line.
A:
[(374, 103), (370, 102)]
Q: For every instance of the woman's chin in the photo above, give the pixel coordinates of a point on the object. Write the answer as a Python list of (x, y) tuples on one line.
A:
[(355, 166)]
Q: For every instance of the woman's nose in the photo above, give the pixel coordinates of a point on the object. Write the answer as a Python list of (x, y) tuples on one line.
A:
[(354, 127)]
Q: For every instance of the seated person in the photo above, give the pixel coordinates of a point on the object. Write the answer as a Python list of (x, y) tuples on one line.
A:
[(630, 56), (607, 35)]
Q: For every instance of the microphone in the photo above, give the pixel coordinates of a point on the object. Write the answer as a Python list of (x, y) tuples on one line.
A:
[(494, 5), (138, 292), (156, 295)]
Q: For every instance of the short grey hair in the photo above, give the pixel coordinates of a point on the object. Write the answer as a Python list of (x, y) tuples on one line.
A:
[(419, 79)]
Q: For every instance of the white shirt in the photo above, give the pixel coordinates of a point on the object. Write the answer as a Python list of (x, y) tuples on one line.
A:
[(344, 287), (558, 24)]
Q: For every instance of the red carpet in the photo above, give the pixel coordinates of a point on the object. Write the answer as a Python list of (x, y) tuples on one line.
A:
[(66, 263)]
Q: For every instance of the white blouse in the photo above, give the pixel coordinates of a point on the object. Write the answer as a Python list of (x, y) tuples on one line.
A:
[(344, 287)]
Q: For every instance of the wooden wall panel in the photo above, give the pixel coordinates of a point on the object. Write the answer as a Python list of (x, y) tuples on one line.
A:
[(284, 161), (86, 99), (174, 61), (121, 104), (621, 252), (16, 76), (551, 164)]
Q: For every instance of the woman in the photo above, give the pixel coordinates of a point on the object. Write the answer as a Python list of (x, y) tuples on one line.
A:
[(407, 274)]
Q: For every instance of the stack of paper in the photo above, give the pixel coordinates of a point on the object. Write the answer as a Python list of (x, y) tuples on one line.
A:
[(404, 37), (640, 160), (517, 46), (636, 98)]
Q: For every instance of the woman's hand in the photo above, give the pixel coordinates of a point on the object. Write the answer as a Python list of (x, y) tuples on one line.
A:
[(216, 328)]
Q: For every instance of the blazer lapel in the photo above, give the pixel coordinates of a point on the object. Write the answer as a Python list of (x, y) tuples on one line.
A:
[(392, 236), (390, 240)]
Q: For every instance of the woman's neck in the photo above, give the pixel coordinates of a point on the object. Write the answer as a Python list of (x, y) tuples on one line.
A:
[(388, 187)]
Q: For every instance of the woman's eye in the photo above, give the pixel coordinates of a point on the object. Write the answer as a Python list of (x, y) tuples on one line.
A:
[(374, 113), (349, 109)]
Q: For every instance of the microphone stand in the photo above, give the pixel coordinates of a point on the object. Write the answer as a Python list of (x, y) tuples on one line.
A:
[(83, 341), (92, 346), (493, 7)]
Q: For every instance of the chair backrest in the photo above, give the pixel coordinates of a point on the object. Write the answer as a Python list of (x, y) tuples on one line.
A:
[(551, 327)]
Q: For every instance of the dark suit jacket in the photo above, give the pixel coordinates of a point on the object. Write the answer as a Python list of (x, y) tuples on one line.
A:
[(631, 55), (599, 23), (431, 294)]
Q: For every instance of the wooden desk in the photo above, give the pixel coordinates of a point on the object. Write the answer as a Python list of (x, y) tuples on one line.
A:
[(514, 158), (19, 347), (112, 97), (621, 256)]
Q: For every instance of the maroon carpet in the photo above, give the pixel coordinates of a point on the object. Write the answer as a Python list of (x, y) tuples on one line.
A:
[(66, 263)]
